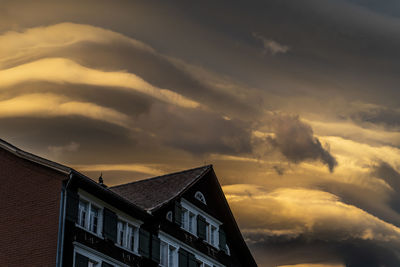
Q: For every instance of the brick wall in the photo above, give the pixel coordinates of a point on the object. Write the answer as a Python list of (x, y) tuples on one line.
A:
[(29, 212)]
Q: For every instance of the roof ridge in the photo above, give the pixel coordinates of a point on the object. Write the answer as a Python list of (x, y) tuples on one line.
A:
[(161, 176), (198, 177)]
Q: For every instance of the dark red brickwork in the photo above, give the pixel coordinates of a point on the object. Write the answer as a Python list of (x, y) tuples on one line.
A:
[(29, 212)]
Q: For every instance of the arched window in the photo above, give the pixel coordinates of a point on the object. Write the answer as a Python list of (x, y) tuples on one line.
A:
[(169, 216), (200, 196)]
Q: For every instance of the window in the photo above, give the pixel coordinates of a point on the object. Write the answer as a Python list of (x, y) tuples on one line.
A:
[(89, 216), (92, 263), (127, 235), (84, 261), (131, 238), (213, 235), (199, 223), (84, 258), (83, 209), (94, 219), (192, 221), (188, 221), (208, 232), (167, 255), (185, 215), (199, 196), (120, 236), (169, 216)]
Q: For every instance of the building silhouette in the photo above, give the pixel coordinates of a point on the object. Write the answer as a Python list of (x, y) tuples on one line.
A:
[(51, 214)]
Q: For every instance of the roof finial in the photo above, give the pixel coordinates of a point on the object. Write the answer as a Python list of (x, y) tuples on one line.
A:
[(101, 181)]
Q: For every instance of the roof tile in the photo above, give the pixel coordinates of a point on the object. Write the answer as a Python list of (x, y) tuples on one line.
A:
[(152, 193)]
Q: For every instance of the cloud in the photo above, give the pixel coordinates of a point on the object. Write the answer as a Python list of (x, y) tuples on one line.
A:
[(386, 172), (299, 211), (271, 46), (313, 265), (51, 105), (299, 218), (147, 169), (70, 147), (196, 131), (62, 70), (371, 115), (34, 42), (295, 140)]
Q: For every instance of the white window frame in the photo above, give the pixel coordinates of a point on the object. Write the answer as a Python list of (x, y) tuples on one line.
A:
[(164, 237), (95, 256), (211, 222), (125, 243), (185, 219), (174, 256), (200, 197), (121, 215), (87, 226)]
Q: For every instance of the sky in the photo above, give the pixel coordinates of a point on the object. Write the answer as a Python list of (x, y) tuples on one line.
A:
[(295, 103)]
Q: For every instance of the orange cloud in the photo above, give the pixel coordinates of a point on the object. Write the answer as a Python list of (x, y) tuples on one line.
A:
[(50, 105), (61, 70), (295, 211)]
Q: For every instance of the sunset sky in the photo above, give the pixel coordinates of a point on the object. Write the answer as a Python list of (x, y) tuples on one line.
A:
[(295, 103)]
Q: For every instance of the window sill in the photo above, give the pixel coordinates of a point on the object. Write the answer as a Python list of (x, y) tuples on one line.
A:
[(187, 231), (214, 246), (128, 250), (87, 230)]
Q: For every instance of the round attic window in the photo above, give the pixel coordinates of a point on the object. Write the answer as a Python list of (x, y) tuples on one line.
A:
[(199, 196)]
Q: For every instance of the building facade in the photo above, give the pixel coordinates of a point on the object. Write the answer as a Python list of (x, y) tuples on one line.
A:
[(54, 215)]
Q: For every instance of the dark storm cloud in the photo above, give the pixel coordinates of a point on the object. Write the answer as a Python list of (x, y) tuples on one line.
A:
[(388, 118), (376, 204), (197, 131), (392, 177), (303, 249), (296, 141)]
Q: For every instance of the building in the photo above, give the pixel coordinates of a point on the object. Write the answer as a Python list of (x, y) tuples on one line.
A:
[(54, 215)]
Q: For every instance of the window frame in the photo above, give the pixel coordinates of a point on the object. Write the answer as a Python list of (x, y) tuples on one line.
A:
[(200, 197), (94, 256), (88, 216), (175, 255), (126, 242), (178, 244), (211, 222)]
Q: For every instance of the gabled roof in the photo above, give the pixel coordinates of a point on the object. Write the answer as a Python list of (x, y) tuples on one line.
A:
[(151, 194)]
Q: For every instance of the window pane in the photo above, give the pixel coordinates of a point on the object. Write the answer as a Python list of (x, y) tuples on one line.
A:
[(120, 236), (171, 256), (94, 219), (83, 207), (191, 222), (208, 232), (184, 219), (163, 254), (213, 231), (131, 237)]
